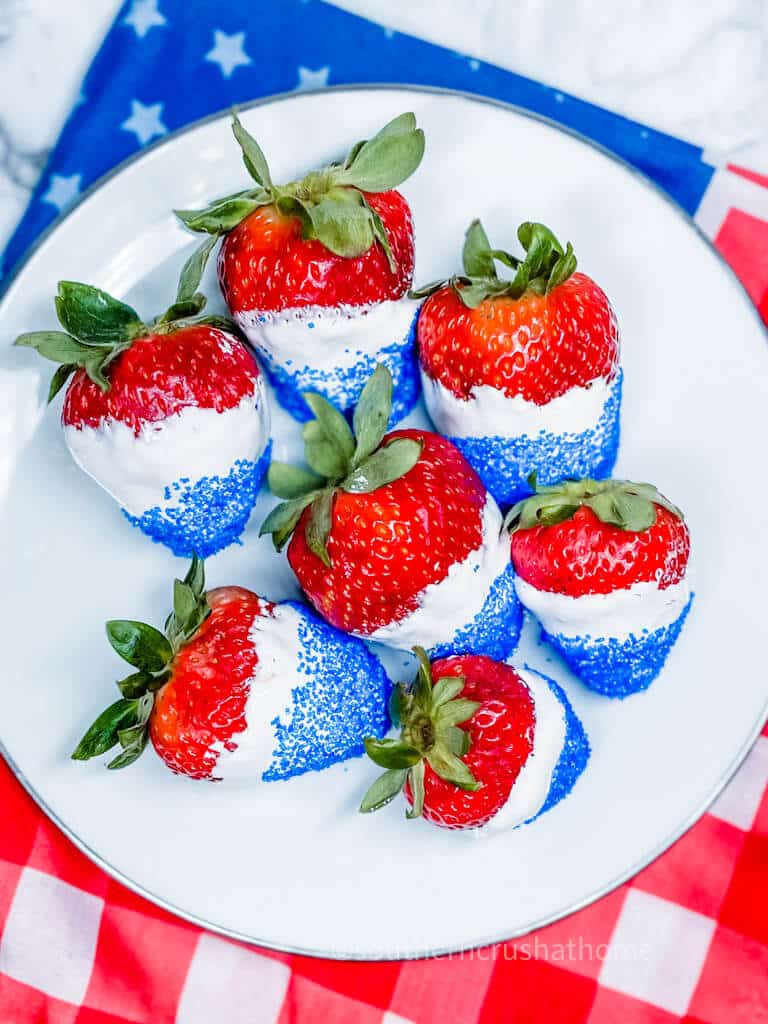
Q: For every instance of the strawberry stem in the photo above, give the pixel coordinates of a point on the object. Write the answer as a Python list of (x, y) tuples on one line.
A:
[(630, 506), (429, 715), (545, 266), (126, 722)]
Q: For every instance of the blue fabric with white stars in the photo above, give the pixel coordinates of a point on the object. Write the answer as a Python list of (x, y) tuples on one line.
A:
[(166, 63)]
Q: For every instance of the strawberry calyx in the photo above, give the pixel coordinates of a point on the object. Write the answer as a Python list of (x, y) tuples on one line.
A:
[(98, 327), (152, 653), (545, 266), (331, 202), (429, 717), (355, 460), (630, 506)]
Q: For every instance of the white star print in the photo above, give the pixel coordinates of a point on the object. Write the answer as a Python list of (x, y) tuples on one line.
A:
[(309, 79), (62, 190), (228, 52), (474, 64), (389, 33), (145, 122), (143, 16)]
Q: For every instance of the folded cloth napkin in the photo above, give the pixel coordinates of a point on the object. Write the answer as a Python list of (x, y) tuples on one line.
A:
[(685, 940)]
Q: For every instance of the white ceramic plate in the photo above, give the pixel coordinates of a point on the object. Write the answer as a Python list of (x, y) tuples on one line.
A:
[(291, 864)]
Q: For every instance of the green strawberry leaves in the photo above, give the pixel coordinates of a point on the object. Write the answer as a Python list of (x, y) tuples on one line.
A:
[(428, 716), (192, 274), (384, 790), (371, 414), (342, 221), (328, 440), (95, 318), (545, 266), (284, 518), (98, 327), (140, 645), (151, 652), (355, 461), (319, 526), (253, 158), (385, 465), (224, 214), (190, 606), (386, 160), (102, 735), (330, 202), (477, 256), (291, 482), (629, 506), (389, 753)]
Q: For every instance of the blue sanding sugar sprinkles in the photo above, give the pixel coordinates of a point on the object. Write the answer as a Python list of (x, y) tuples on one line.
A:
[(495, 630), (505, 463), (206, 515), (335, 365), (340, 696), (618, 667), (574, 756)]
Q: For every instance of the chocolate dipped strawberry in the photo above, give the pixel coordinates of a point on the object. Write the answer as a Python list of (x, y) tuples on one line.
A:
[(522, 374), (482, 745), (316, 272), (169, 416), (393, 536), (236, 687), (603, 566)]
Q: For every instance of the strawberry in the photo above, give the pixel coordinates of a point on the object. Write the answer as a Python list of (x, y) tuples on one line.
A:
[(482, 745), (602, 566), (392, 536), (170, 417), (522, 374), (316, 272), (238, 687)]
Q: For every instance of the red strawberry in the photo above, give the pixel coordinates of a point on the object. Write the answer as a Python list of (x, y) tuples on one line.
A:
[(467, 729), (197, 366), (191, 695), (339, 236), (387, 545), (383, 520), (169, 417), (268, 263), (537, 336), (202, 705), (596, 537)]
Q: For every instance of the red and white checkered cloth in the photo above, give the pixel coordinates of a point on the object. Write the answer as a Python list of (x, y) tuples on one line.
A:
[(685, 941)]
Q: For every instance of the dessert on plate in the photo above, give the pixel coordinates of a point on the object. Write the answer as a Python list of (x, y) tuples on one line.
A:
[(602, 566), (170, 417), (237, 687), (392, 536), (316, 272), (482, 745), (522, 374)]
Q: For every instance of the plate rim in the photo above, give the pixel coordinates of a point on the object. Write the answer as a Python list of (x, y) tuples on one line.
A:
[(432, 953)]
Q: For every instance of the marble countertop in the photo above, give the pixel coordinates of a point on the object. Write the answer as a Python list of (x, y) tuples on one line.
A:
[(696, 70)]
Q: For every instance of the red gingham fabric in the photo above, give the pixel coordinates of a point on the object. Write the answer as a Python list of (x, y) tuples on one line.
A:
[(685, 941)]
